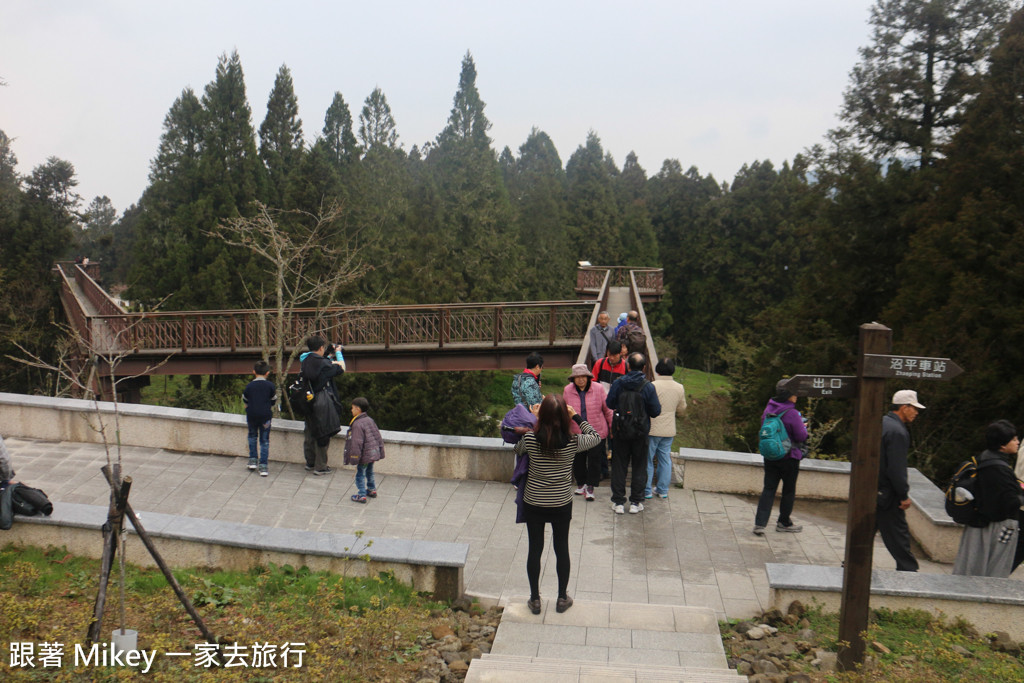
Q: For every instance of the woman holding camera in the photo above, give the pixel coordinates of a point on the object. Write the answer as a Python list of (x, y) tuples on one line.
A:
[(547, 496)]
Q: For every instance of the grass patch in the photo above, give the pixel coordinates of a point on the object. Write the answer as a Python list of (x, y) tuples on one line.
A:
[(353, 628), (915, 646)]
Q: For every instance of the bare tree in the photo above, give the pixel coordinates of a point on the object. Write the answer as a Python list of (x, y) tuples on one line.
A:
[(309, 258)]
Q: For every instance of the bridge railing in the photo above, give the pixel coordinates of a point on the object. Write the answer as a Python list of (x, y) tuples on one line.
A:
[(591, 278), (435, 326)]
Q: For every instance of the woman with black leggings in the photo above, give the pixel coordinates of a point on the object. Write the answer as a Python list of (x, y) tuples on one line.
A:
[(547, 498)]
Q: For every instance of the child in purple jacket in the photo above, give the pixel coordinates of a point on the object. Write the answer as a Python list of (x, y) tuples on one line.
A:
[(786, 469)]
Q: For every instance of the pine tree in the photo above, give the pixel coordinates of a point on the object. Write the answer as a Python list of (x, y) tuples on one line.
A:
[(639, 245), (281, 142), (594, 215), (340, 141), (376, 124), (475, 219), (908, 91)]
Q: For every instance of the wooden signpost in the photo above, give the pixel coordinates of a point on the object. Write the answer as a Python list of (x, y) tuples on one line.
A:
[(875, 364)]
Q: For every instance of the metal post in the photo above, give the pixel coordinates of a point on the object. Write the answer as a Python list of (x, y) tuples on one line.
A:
[(860, 519)]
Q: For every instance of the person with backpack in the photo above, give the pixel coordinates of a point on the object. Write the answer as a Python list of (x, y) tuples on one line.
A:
[(634, 402), (526, 385), (780, 412), (893, 487), (319, 371), (989, 541), (632, 334), (612, 366)]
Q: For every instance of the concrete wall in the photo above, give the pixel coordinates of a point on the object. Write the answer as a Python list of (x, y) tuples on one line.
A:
[(417, 455)]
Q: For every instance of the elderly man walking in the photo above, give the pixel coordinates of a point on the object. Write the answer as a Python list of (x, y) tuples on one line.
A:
[(893, 487)]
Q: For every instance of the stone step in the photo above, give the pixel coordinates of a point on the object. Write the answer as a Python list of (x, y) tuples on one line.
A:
[(512, 669)]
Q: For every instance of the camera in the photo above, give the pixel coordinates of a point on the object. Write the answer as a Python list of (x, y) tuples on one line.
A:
[(335, 352)]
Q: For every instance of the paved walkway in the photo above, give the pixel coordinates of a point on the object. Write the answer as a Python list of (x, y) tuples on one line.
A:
[(694, 548)]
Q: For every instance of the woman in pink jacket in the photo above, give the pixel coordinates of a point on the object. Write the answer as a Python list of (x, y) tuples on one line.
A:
[(587, 398)]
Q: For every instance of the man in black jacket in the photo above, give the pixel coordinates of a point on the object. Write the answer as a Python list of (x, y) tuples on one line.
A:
[(893, 488), (319, 372)]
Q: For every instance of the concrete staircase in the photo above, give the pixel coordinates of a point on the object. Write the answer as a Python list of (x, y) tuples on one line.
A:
[(607, 642)]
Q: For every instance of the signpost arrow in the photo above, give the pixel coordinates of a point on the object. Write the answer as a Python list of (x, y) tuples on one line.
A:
[(823, 386), (909, 367)]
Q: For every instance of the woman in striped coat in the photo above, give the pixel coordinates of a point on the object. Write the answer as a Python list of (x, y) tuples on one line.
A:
[(547, 498)]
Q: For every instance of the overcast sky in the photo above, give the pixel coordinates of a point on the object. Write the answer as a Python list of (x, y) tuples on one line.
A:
[(712, 84)]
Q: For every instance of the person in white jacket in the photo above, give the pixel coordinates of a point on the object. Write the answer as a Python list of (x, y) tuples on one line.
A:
[(672, 396)]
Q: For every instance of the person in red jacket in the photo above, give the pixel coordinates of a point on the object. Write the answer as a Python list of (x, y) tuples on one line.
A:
[(587, 398), (612, 366)]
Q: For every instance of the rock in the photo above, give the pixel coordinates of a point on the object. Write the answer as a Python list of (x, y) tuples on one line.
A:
[(458, 667), (1001, 642), (962, 651), (743, 627), (790, 619), (772, 616), (763, 666), (803, 646), (450, 657), (767, 678), (462, 604), (798, 678), (769, 630), (826, 660), (440, 631), (879, 647), (804, 623), (484, 646), (756, 633), (785, 648), (449, 644), (806, 634), (472, 652), (796, 608), (744, 669)]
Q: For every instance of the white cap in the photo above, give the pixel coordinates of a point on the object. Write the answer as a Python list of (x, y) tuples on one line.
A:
[(906, 397)]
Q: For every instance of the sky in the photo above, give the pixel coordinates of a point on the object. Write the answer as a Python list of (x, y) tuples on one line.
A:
[(714, 85)]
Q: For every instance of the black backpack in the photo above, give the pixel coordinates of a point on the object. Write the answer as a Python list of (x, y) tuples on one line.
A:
[(630, 420), (300, 397), (966, 477)]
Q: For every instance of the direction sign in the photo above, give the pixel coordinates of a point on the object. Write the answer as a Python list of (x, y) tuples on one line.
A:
[(823, 386), (909, 367)]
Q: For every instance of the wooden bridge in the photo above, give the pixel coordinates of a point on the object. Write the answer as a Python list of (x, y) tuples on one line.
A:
[(432, 337)]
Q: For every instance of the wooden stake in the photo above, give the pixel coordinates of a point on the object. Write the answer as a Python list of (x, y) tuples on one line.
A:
[(111, 533)]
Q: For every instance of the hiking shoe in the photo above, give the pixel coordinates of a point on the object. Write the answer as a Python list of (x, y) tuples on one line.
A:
[(635, 508), (663, 496), (534, 605), (648, 496), (357, 498), (792, 528), (563, 604), (252, 464), (372, 493), (309, 468), (589, 493), (580, 491), (619, 509), (759, 531), (263, 471), (326, 470)]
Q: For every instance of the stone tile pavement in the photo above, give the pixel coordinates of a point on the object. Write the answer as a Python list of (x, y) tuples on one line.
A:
[(695, 548)]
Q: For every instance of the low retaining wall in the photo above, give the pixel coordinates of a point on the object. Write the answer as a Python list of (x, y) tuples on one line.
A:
[(989, 604), (430, 566), (200, 431), (743, 473)]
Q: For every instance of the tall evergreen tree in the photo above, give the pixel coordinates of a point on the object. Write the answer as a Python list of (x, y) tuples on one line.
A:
[(476, 222), (962, 279), (376, 124), (639, 245), (594, 215), (338, 137), (537, 190), (281, 142), (923, 64)]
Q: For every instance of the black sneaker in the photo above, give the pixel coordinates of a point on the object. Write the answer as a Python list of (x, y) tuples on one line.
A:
[(326, 470), (792, 528)]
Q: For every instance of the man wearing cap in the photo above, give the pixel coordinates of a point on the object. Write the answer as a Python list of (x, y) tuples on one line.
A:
[(893, 488)]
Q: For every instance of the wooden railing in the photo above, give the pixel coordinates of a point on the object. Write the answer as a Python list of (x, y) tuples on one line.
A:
[(591, 278), (435, 326)]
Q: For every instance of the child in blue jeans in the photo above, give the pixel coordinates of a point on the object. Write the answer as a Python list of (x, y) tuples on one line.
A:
[(363, 447), (259, 396)]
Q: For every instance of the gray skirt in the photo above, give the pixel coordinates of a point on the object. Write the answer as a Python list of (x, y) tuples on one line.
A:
[(988, 551)]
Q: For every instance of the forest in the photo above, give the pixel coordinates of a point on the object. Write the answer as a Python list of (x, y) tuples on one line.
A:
[(910, 213)]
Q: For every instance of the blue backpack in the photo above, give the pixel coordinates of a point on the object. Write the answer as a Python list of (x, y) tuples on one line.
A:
[(773, 440)]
